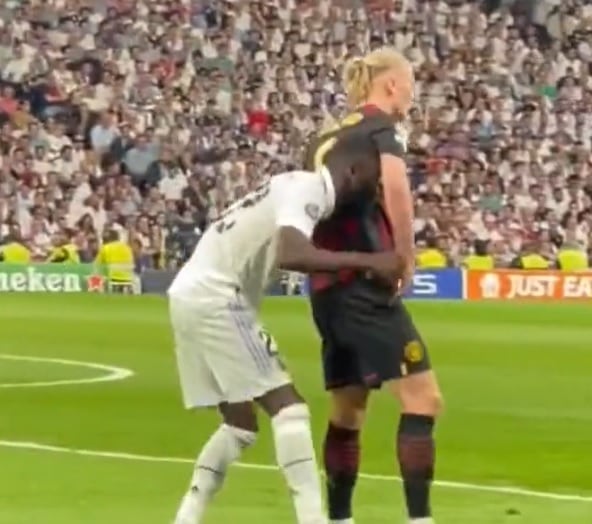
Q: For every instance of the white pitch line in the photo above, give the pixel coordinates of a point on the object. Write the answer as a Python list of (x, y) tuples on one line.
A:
[(112, 373), (505, 490)]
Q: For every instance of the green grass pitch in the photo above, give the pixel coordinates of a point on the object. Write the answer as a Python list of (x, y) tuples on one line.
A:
[(517, 379)]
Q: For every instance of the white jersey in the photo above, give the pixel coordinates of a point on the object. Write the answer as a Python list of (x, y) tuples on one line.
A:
[(238, 251)]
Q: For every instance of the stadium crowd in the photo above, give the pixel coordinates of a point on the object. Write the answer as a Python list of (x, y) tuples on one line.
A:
[(148, 117)]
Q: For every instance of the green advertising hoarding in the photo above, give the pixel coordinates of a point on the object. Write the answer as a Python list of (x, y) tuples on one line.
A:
[(50, 278)]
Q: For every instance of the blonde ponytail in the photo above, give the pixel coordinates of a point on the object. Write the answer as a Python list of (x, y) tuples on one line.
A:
[(359, 72), (356, 81)]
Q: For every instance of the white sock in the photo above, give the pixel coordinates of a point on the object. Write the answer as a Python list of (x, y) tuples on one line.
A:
[(223, 448), (342, 521), (296, 457)]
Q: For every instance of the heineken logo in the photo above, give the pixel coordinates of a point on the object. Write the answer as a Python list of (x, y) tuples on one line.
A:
[(49, 278)]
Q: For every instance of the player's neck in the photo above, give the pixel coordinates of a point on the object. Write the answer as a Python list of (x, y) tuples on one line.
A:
[(379, 102)]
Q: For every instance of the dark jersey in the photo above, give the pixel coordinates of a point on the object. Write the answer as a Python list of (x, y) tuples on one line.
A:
[(362, 226)]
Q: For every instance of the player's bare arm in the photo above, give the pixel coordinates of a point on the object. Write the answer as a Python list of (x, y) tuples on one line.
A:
[(297, 253), (398, 203)]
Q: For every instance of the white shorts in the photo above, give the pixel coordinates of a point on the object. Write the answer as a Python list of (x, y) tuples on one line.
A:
[(223, 354)]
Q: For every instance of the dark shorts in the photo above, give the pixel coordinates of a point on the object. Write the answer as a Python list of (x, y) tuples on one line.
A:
[(367, 338)]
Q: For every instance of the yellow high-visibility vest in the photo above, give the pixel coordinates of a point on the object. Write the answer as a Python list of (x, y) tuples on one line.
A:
[(431, 259), (15, 253), (572, 260), (534, 261), (118, 258), (479, 262), (67, 253)]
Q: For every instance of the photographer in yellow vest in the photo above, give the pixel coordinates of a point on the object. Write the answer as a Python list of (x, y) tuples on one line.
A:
[(530, 258), (432, 257), (14, 251), (572, 257), (64, 250), (480, 259), (116, 258)]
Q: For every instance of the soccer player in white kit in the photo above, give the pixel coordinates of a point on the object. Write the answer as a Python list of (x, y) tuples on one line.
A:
[(225, 358)]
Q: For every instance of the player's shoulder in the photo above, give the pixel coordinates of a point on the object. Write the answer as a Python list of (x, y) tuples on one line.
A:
[(294, 188), (304, 197), (298, 180), (390, 135), (371, 121)]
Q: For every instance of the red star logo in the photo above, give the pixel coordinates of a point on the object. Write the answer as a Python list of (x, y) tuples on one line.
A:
[(94, 283)]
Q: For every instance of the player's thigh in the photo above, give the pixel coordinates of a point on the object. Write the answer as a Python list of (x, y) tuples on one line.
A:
[(385, 338), (339, 360), (198, 382), (417, 387), (246, 363), (368, 337)]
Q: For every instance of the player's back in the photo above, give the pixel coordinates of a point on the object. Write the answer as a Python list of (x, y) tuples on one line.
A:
[(357, 126), (238, 251)]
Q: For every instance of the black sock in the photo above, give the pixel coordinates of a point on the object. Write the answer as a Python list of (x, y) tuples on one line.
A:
[(416, 454), (342, 460)]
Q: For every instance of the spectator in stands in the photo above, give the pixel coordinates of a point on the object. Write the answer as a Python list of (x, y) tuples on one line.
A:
[(433, 256), (480, 259), (139, 158), (103, 134), (65, 250), (531, 257)]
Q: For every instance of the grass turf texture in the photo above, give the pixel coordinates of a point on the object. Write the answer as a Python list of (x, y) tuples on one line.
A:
[(516, 379)]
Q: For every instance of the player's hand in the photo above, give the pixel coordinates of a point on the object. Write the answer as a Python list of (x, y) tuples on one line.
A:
[(405, 279), (384, 267)]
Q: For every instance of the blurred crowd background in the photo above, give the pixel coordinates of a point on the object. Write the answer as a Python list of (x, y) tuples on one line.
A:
[(148, 117)]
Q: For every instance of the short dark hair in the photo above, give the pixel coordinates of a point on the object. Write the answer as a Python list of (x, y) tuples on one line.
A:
[(111, 236), (481, 247)]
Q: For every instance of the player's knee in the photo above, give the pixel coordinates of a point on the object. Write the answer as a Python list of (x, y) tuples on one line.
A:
[(242, 437), (279, 399), (349, 417), (209, 480), (427, 402), (438, 403), (348, 407), (292, 419), (241, 416), (435, 403)]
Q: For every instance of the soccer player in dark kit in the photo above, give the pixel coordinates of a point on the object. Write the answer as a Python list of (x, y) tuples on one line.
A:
[(369, 339)]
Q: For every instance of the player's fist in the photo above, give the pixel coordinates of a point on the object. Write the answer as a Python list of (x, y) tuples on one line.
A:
[(385, 267)]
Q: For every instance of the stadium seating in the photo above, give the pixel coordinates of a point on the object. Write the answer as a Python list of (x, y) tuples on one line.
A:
[(149, 117)]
